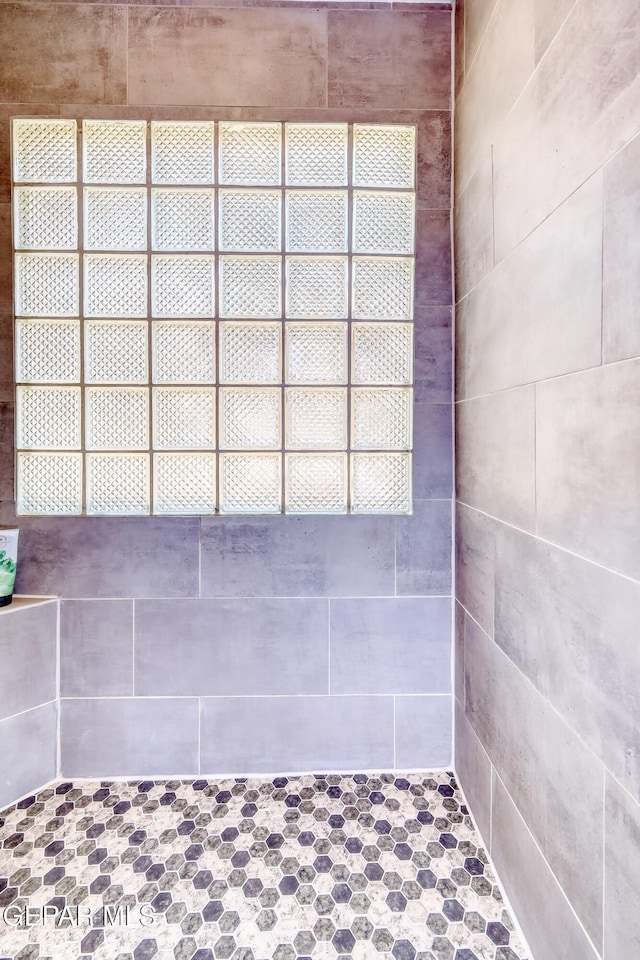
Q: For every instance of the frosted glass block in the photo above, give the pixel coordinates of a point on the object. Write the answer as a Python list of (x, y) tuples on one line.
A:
[(316, 353), (317, 287), (45, 151), (182, 152), (249, 221), (182, 287), (316, 222), (115, 219), (250, 287), (184, 352), (249, 419), (381, 418), (114, 151), (48, 418), (381, 483), (115, 351), (115, 286), (48, 351), (184, 483), (316, 483), (117, 418), (250, 153), (182, 219), (382, 289), (46, 284), (250, 352), (250, 483), (118, 483), (45, 218), (184, 418), (382, 353), (384, 156), (49, 483), (315, 419), (383, 222), (316, 154)]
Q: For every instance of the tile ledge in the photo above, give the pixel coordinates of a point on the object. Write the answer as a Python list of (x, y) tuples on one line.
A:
[(23, 601)]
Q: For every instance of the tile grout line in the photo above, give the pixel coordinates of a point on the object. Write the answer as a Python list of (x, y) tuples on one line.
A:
[(604, 856), (56, 700)]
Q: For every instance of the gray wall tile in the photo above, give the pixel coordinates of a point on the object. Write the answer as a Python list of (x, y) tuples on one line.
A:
[(473, 228), (433, 353), (433, 279), (391, 646), (473, 769), (475, 564), (27, 752), (231, 647), (621, 858), (134, 737), (96, 648), (621, 280), (432, 451), (423, 550), (434, 160), (423, 732), (477, 15), (28, 654), (295, 734), (548, 17), (459, 614)]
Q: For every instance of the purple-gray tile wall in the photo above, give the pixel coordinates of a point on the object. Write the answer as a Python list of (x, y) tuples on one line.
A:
[(547, 728), (183, 626)]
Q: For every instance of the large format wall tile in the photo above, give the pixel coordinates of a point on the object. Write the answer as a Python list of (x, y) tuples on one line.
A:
[(473, 228), (548, 17), (231, 647), (432, 451), (391, 59), (433, 283), (239, 56), (96, 648), (475, 544), (560, 617), (129, 737), (473, 769), (391, 646), (495, 455), (433, 185), (28, 642), (423, 733), (295, 734), (27, 752), (433, 355), (423, 550), (621, 857), (63, 52), (588, 464), (477, 16)]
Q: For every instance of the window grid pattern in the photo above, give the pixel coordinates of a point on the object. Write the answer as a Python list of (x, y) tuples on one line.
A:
[(237, 299)]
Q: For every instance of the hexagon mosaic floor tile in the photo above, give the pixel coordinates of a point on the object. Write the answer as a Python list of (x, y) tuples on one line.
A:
[(324, 867)]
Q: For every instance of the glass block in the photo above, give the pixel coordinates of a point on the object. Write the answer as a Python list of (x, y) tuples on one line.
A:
[(316, 154), (384, 156), (114, 151), (115, 219), (381, 483), (382, 353), (249, 419), (115, 286), (316, 222), (117, 418), (182, 219), (315, 419), (184, 418), (383, 222), (184, 352), (381, 418), (249, 221), (45, 151), (316, 353), (250, 153), (118, 483), (250, 352), (182, 152), (182, 286), (316, 483), (48, 418), (184, 483), (317, 287), (115, 351), (250, 287), (250, 483), (382, 289), (48, 351), (46, 284), (45, 218), (49, 483)]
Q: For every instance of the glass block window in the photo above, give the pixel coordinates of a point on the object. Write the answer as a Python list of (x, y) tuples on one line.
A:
[(213, 317)]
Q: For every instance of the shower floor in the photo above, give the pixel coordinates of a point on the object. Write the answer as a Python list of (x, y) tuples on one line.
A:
[(332, 867)]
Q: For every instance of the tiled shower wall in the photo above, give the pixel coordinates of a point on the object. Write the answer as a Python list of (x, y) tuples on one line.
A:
[(238, 645), (548, 461)]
